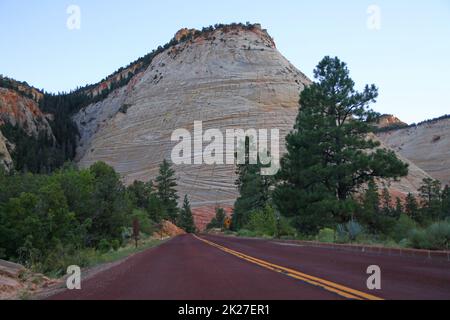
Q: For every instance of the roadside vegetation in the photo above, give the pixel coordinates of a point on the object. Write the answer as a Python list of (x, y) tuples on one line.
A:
[(333, 183), (82, 217)]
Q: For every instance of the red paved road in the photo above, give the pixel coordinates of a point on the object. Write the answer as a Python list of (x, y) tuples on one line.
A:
[(188, 269)]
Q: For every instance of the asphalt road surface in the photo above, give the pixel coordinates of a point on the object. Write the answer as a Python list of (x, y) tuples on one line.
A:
[(219, 268)]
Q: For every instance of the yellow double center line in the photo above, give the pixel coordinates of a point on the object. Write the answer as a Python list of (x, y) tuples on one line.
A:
[(341, 290)]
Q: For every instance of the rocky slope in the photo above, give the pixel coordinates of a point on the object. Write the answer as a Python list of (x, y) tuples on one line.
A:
[(229, 78), (17, 109), (390, 121), (427, 145), (5, 156)]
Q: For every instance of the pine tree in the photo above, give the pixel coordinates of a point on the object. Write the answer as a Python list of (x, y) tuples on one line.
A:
[(329, 153), (412, 208), (370, 210), (167, 194), (386, 200), (186, 220), (398, 208), (445, 203), (254, 190), (430, 194), (219, 220)]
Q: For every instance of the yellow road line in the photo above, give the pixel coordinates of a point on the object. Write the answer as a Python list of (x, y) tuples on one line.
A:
[(341, 290)]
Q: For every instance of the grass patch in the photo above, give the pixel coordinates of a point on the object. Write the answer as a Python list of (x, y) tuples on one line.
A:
[(112, 256)]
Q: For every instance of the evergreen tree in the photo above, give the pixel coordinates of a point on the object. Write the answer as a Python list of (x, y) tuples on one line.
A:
[(140, 193), (398, 208), (370, 210), (155, 209), (412, 208), (330, 155), (167, 194), (110, 206), (219, 220), (386, 200), (430, 194), (445, 203), (254, 189), (186, 220)]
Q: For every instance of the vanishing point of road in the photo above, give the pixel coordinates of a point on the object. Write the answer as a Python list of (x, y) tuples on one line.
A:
[(223, 268)]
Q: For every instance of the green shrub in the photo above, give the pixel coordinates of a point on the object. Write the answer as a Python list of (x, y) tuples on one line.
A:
[(350, 231), (263, 222), (342, 234), (418, 239), (403, 228), (354, 229), (285, 228), (438, 235), (435, 237), (146, 225), (115, 244), (104, 246), (326, 235)]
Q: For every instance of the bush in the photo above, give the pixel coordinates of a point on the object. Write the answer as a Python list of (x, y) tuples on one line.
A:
[(285, 228), (326, 235), (263, 222), (354, 230), (438, 235), (418, 239), (146, 225), (104, 246), (435, 237), (403, 228), (115, 244), (349, 231)]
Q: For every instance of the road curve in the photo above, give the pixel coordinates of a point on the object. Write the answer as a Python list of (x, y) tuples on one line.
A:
[(220, 268)]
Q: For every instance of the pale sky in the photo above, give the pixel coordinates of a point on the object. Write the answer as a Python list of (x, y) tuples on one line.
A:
[(407, 57)]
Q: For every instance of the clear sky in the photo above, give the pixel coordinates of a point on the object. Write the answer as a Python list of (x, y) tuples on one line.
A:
[(407, 57)]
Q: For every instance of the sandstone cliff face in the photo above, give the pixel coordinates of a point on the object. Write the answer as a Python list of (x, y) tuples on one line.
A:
[(24, 112), (388, 120), (232, 78), (427, 145), (409, 184), (5, 157)]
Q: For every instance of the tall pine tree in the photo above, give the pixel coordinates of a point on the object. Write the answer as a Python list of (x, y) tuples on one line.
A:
[(186, 220), (330, 152), (167, 194)]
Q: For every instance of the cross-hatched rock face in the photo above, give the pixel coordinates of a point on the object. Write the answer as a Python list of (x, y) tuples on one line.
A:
[(227, 80), (233, 78), (427, 145)]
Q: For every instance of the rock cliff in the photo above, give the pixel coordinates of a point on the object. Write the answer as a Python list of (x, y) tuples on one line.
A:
[(229, 78), (427, 145)]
